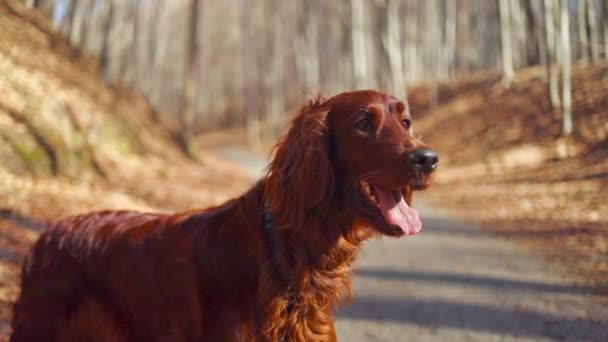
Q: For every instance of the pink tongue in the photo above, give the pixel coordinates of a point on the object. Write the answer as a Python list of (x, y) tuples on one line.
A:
[(398, 212)]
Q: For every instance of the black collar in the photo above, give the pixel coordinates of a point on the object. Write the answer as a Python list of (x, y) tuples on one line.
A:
[(275, 251), (274, 246)]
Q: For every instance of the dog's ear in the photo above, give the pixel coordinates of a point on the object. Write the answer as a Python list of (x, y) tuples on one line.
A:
[(300, 176)]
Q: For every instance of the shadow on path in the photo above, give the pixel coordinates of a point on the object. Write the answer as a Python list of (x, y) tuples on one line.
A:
[(517, 322), (461, 279)]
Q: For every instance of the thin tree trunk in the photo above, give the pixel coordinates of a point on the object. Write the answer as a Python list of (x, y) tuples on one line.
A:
[(605, 26), (255, 17), (276, 76), (130, 73), (31, 3), (392, 45), (450, 37), (582, 30), (359, 49), (85, 25), (411, 57), (566, 65), (156, 53), (594, 41), (68, 19), (463, 36), (105, 47), (551, 54), (505, 39), (434, 59), (186, 111), (309, 48)]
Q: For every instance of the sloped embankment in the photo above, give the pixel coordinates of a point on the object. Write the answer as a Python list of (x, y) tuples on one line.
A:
[(504, 164), (70, 143)]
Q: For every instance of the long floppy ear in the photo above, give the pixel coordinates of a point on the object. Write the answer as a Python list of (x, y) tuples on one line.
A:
[(300, 176)]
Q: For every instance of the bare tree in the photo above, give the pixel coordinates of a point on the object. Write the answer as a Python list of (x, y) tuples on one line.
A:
[(450, 37), (431, 14), (392, 44), (274, 51), (551, 54), (605, 27), (566, 72), (582, 29), (253, 20), (463, 36), (128, 69), (307, 46), (187, 107), (593, 31), (105, 47), (68, 19), (359, 50), (276, 76), (505, 39)]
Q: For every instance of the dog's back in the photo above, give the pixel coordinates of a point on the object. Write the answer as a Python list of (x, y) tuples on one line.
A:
[(89, 277)]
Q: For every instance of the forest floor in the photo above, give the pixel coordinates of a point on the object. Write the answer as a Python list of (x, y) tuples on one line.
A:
[(502, 164), (70, 144)]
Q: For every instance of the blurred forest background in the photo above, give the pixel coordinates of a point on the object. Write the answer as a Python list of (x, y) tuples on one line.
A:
[(217, 64), (125, 104)]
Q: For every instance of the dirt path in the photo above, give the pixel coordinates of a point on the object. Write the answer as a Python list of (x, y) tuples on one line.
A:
[(451, 282), (454, 282)]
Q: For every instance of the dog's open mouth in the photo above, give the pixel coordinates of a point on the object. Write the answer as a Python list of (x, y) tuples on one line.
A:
[(393, 207)]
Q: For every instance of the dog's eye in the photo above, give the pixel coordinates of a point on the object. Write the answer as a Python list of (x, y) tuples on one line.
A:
[(363, 125), (407, 123)]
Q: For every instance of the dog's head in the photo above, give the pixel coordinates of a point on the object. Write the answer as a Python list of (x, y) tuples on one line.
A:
[(355, 149)]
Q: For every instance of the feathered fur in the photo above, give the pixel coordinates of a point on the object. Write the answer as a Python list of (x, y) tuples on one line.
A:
[(208, 275)]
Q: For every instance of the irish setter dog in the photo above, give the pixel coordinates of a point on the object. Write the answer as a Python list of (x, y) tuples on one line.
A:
[(270, 265)]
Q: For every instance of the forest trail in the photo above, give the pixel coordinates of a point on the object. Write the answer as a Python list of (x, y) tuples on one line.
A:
[(455, 282), (70, 143)]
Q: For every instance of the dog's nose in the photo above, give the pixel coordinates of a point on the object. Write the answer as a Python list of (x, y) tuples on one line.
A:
[(424, 159)]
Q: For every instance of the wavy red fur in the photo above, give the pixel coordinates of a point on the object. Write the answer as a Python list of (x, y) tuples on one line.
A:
[(208, 275)]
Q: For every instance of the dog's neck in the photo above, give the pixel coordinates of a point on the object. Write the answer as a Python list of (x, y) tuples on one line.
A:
[(327, 240), (315, 257)]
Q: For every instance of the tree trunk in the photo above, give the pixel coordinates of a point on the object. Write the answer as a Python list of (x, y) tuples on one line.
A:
[(68, 18), (605, 26), (566, 65), (411, 55), (156, 53), (359, 48), (392, 45), (594, 41), (505, 39), (276, 105), (308, 48), (104, 59), (450, 37), (463, 36), (433, 56), (582, 30), (31, 3), (130, 71), (254, 19), (551, 54), (86, 23), (186, 107)]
